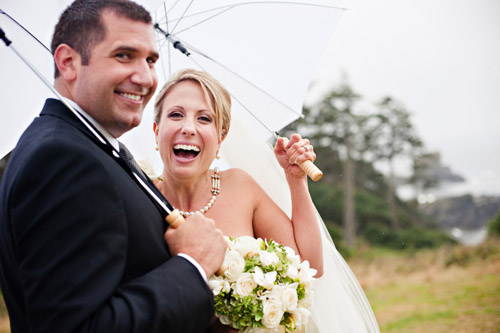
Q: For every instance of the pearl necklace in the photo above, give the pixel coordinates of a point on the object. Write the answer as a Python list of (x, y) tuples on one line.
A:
[(215, 190)]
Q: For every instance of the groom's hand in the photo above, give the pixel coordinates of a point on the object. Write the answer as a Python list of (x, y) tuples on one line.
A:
[(201, 240)]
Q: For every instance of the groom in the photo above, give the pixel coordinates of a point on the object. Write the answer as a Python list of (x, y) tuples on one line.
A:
[(83, 245)]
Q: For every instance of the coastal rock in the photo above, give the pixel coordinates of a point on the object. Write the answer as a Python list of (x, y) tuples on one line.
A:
[(464, 212)]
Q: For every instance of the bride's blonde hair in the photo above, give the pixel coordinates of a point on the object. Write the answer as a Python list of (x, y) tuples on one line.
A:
[(216, 96)]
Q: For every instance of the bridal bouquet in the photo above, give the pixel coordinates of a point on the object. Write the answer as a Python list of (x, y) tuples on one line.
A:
[(264, 288)]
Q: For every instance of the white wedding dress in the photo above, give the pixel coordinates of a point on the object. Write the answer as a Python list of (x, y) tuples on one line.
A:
[(340, 304)]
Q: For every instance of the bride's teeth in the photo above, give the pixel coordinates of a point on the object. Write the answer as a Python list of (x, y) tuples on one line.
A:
[(132, 97), (186, 147)]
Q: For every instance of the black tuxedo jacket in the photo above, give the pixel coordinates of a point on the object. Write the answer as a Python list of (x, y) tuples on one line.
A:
[(81, 243)]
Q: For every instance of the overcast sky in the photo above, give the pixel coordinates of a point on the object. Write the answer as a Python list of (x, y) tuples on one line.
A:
[(441, 58)]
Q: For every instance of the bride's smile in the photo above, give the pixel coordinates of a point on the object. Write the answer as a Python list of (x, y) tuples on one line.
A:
[(186, 152)]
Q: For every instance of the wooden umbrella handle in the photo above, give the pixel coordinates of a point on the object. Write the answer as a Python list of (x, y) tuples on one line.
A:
[(175, 219), (308, 167), (311, 170)]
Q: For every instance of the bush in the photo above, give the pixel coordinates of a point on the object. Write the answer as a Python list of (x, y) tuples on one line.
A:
[(371, 209), (494, 226), (465, 255), (411, 238), (328, 201)]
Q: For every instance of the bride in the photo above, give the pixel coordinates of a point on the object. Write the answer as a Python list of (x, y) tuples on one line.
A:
[(192, 119)]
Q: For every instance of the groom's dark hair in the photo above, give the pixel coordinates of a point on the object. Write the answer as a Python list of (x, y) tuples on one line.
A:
[(80, 25)]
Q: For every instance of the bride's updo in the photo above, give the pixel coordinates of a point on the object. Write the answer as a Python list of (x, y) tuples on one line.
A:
[(217, 97)]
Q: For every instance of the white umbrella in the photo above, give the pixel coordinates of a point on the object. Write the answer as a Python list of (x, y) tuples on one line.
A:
[(264, 52)]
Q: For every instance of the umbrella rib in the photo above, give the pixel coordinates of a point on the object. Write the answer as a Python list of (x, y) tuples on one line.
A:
[(244, 79), (166, 40), (208, 18), (223, 9), (239, 76), (182, 16), (26, 30), (168, 45), (219, 11), (275, 133)]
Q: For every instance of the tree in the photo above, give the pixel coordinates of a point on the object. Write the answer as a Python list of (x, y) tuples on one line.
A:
[(335, 124), (392, 135), (428, 171), (423, 176)]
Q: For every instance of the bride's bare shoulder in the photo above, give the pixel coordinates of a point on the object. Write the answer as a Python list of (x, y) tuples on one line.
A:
[(238, 177)]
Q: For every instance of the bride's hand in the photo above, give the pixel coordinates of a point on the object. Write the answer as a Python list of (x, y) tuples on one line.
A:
[(296, 151)]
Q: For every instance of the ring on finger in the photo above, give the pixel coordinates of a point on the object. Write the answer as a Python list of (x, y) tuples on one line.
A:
[(306, 147)]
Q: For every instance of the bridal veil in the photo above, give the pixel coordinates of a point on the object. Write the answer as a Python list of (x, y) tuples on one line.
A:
[(340, 304)]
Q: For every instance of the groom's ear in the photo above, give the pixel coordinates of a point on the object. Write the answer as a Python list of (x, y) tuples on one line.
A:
[(67, 61)]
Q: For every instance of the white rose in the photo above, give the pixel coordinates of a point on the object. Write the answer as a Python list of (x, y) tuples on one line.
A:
[(306, 274), (235, 265), (292, 272), (300, 316), (247, 246), (264, 280), (268, 258), (289, 297), (272, 293), (273, 312), (226, 287), (147, 167), (224, 319), (308, 299), (290, 254), (216, 284), (245, 284)]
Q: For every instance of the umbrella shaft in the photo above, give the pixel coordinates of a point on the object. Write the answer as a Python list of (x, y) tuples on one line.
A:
[(176, 44)]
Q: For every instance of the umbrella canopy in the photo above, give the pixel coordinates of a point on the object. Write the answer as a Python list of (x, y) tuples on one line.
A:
[(263, 52)]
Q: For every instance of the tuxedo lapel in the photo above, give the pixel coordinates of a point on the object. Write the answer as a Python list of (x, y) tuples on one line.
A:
[(56, 108)]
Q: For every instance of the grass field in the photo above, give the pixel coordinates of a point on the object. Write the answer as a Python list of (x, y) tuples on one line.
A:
[(451, 289)]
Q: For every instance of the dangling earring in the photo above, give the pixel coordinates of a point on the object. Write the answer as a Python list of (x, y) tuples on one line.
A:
[(217, 154), (157, 149)]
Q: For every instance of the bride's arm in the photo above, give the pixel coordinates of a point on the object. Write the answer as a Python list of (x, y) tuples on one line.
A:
[(302, 232)]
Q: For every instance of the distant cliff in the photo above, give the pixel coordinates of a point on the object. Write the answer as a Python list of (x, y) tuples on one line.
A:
[(465, 212)]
